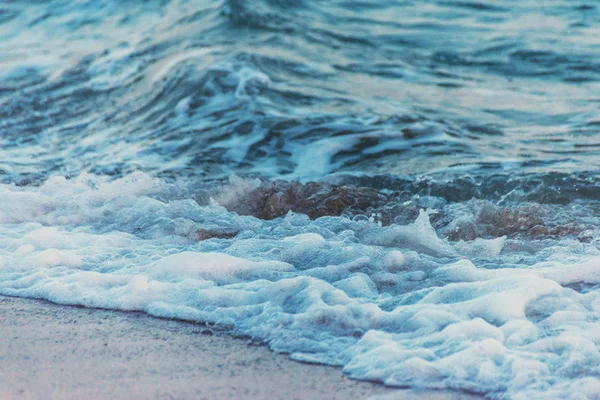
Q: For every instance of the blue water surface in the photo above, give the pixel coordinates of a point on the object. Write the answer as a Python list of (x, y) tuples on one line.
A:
[(477, 122)]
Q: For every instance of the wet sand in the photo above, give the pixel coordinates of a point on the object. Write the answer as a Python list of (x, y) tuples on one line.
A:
[(49, 351)]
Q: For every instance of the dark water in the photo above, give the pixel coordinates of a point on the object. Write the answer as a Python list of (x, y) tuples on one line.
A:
[(148, 154), (298, 89)]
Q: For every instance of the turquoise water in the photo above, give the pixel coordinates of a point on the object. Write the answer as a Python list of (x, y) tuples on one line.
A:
[(470, 128)]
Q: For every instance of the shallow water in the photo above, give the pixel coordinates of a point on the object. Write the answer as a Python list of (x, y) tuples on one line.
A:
[(446, 154)]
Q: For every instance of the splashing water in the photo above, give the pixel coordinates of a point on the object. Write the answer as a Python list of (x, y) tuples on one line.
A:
[(405, 189)]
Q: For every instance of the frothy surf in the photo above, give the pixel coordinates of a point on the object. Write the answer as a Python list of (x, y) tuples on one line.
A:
[(400, 304), (405, 189)]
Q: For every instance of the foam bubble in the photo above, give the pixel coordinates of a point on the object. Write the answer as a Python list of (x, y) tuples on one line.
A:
[(216, 267), (394, 260)]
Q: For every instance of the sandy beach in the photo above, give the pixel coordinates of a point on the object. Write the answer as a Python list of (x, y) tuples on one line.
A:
[(49, 351)]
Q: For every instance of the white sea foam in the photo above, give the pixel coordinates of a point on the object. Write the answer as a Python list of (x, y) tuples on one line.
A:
[(397, 304)]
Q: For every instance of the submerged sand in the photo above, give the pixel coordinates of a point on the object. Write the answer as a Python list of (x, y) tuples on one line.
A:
[(49, 351)]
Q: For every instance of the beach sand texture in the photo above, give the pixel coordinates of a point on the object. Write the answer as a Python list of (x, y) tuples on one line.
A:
[(49, 351)]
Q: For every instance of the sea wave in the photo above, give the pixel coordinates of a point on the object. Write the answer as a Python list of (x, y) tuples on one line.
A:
[(406, 189)]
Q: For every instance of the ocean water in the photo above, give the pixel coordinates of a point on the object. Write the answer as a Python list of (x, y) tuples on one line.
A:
[(405, 189)]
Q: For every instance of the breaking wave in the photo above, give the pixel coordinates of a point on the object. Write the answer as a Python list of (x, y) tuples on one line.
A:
[(404, 189)]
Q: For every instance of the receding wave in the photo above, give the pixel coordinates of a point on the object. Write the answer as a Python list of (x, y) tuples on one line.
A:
[(405, 189)]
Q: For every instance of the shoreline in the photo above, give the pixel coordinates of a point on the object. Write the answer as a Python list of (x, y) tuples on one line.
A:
[(53, 351)]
